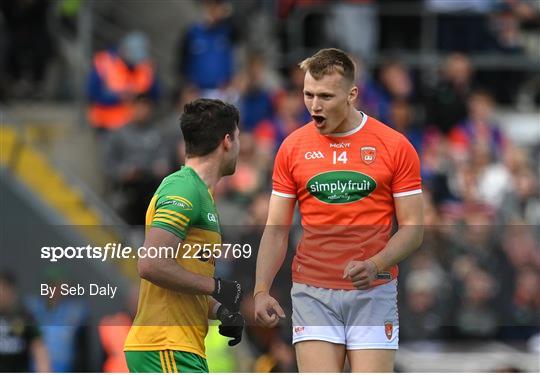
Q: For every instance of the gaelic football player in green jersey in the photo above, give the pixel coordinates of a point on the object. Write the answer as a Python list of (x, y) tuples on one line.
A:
[(178, 294)]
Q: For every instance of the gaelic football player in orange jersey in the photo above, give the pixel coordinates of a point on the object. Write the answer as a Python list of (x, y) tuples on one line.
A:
[(351, 175)]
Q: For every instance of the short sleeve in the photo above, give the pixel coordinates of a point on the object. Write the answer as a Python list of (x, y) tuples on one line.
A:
[(283, 184), (177, 206), (406, 180)]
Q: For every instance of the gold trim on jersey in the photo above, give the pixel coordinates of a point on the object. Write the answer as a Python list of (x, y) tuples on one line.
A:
[(171, 218), (168, 361), (211, 196), (171, 221), (165, 211), (173, 361), (150, 212), (161, 360)]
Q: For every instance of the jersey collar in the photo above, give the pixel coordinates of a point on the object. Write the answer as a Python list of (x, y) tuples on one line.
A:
[(194, 173), (352, 131)]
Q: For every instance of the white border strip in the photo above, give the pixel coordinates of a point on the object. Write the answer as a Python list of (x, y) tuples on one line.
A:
[(352, 131), (406, 193), (283, 195)]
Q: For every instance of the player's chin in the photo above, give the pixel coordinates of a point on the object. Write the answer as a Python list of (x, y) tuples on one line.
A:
[(323, 128), (230, 169)]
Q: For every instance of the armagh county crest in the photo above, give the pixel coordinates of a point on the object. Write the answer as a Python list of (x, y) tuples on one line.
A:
[(388, 330), (368, 154)]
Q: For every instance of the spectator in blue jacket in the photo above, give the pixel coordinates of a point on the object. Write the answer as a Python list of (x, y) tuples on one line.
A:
[(206, 52)]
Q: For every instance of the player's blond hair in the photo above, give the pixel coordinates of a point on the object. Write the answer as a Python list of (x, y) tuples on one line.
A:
[(328, 61)]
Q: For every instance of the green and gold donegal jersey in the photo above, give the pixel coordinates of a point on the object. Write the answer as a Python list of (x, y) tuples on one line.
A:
[(167, 320)]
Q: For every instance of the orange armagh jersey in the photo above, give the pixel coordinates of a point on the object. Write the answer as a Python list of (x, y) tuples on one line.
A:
[(345, 184)]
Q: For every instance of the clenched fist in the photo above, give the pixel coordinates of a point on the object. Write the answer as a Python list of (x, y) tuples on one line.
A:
[(361, 272)]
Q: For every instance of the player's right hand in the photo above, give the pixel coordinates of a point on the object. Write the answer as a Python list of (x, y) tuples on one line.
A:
[(361, 273), (229, 293), (267, 310)]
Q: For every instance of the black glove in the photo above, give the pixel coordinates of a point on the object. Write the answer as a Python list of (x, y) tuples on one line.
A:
[(229, 293), (232, 324)]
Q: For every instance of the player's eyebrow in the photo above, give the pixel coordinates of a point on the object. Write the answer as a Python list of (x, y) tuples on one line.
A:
[(319, 94)]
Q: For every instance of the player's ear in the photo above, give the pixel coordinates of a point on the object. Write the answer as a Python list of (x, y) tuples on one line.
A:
[(353, 94), (227, 142)]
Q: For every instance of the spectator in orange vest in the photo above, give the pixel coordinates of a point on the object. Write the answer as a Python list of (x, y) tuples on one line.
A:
[(117, 77), (113, 330)]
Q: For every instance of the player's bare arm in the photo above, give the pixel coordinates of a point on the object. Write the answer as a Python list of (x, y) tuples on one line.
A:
[(272, 251), (166, 272), (410, 217), (40, 355)]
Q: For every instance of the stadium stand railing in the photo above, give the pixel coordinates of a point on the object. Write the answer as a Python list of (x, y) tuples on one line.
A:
[(57, 187)]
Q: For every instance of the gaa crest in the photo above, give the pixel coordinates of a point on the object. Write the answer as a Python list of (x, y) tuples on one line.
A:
[(388, 329), (368, 154)]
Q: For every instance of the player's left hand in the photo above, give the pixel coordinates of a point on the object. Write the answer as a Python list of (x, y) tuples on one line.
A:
[(361, 272), (232, 324)]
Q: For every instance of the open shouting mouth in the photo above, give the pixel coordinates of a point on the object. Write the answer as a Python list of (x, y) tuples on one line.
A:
[(319, 120)]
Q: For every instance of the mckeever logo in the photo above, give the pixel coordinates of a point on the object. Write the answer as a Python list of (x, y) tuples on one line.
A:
[(341, 186), (339, 145)]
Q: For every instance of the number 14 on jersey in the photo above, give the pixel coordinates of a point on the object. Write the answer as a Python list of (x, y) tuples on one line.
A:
[(342, 157)]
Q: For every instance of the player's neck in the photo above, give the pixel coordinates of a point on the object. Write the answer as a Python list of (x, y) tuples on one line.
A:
[(351, 121), (206, 168)]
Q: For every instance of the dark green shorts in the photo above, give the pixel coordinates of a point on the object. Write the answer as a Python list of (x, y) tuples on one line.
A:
[(165, 361)]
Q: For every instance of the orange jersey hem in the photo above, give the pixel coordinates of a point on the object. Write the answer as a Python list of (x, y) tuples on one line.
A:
[(345, 285)]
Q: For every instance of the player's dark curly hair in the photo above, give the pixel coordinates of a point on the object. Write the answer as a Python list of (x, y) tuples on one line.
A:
[(204, 124)]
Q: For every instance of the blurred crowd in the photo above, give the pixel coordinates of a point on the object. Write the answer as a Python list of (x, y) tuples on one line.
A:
[(477, 274)]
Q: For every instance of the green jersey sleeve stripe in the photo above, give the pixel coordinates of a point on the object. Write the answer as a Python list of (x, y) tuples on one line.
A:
[(173, 213), (173, 218), (169, 228), (169, 222)]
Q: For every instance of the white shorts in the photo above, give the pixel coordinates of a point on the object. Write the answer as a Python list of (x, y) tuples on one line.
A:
[(358, 319)]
